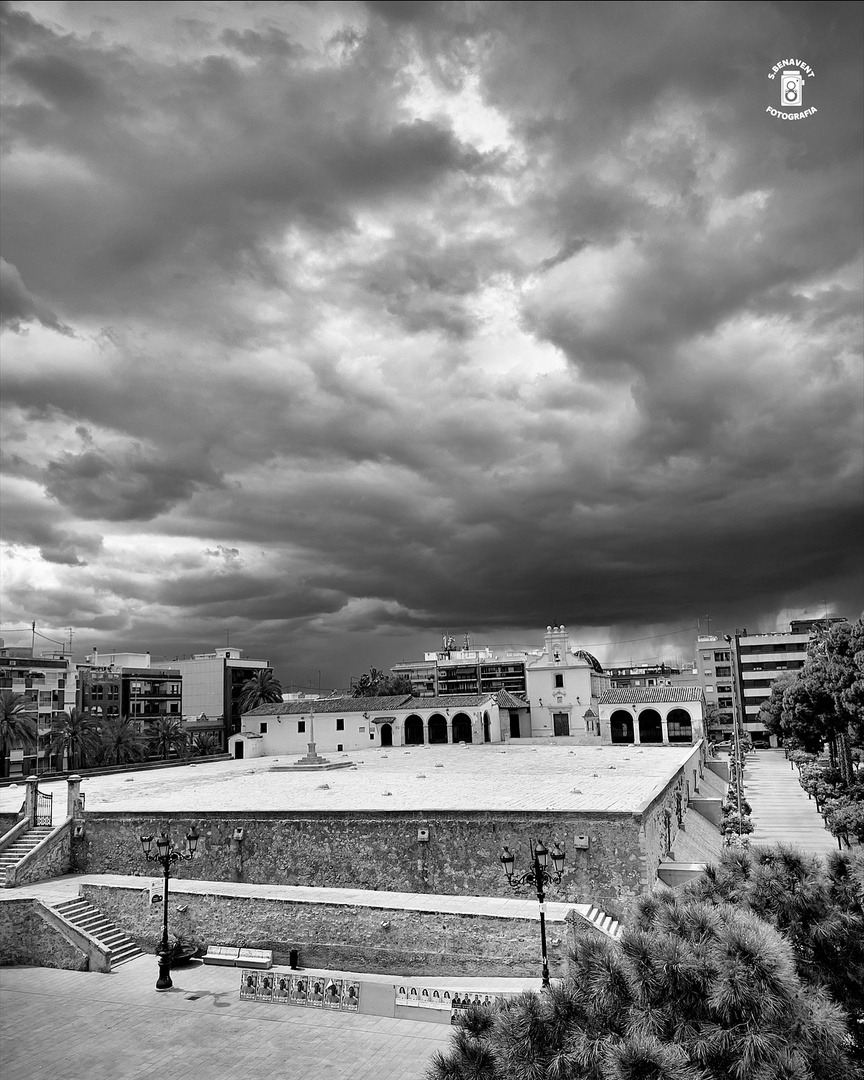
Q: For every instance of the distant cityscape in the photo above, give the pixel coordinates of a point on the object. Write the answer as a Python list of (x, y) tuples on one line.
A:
[(557, 690)]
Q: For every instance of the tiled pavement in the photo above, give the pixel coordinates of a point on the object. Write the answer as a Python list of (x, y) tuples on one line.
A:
[(69, 1025), (782, 812)]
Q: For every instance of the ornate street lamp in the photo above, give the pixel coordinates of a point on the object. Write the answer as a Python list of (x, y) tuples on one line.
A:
[(165, 854), (538, 876)]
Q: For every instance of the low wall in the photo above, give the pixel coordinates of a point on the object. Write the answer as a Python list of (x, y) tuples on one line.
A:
[(337, 936), (26, 938), (381, 850), (50, 858)]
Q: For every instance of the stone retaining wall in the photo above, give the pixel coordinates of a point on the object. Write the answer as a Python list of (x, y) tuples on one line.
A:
[(25, 938), (340, 937), (378, 850)]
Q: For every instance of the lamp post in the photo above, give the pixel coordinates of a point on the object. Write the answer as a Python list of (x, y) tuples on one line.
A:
[(165, 854), (737, 708), (539, 876)]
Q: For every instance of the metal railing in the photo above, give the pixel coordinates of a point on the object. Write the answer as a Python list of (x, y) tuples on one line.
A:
[(43, 813)]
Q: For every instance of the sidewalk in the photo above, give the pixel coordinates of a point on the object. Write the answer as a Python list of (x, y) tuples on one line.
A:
[(782, 812), (72, 1025)]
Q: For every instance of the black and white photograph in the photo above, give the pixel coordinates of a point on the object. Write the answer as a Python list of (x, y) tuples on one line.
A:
[(432, 537)]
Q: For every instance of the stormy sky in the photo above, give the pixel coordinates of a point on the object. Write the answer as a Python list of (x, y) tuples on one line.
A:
[(329, 328)]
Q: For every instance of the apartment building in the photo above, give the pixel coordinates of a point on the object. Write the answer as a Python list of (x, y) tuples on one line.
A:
[(126, 684), (49, 684), (212, 684), (759, 659)]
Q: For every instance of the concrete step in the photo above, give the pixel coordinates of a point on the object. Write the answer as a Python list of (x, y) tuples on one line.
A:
[(89, 919)]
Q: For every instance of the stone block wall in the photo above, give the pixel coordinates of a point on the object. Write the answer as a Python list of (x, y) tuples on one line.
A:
[(378, 850), (25, 938), (340, 937), (52, 861)]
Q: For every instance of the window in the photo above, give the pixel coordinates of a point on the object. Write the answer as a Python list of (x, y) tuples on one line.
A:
[(559, 680), (263, 727), (301, 726), (340, 724)]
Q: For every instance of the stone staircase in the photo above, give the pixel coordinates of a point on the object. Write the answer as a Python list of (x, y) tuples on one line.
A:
[(90, 919), (606, 924), (22, 846)]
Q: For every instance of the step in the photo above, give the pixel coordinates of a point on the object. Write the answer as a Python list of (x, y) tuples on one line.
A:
[(89, 919)]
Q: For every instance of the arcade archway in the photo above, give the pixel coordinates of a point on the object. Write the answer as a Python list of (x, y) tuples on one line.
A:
[(621, 727), (412, 734), (461, 728), (650, 726), (437, 726), (680, 726)]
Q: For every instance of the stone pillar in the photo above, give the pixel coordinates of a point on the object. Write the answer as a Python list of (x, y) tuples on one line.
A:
[(73, 796), (31, 783)]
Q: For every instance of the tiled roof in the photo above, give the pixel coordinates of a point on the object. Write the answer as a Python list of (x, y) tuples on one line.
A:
[(447, 701), (305, 706), (650, 695), (506, 700)]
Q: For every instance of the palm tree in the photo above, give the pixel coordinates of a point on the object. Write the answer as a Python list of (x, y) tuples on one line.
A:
[(76, 734), (261, 689), (165, 734), (207, 743), (17, 725), (121, 742)]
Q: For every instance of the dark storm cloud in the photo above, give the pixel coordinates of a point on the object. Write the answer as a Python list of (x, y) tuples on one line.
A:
[(407, 318), (131, 487)]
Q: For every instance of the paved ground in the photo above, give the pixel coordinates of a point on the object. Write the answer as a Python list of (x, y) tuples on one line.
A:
[(69, 1025), (782, 812), (494, 777)]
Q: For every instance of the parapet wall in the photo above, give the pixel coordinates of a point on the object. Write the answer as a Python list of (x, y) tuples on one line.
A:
[(343, 937)]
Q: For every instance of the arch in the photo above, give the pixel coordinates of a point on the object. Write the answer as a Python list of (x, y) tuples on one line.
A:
[(462, 728), (386, 734), (487, 728), (412, 731), (680, 726), (437, 728), (650, 726), (621, 726)]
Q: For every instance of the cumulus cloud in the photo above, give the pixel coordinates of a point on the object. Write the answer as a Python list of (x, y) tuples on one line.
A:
[(396, 319)]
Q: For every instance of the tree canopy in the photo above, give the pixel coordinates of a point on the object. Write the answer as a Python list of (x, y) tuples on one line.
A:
[(17, 724), (375, 683), (75, 734), (823, 702), (261, 689), (693, 991)]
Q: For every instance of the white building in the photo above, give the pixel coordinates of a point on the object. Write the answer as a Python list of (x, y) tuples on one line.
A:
[(665, 715), (563, 689), (351, 724)]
